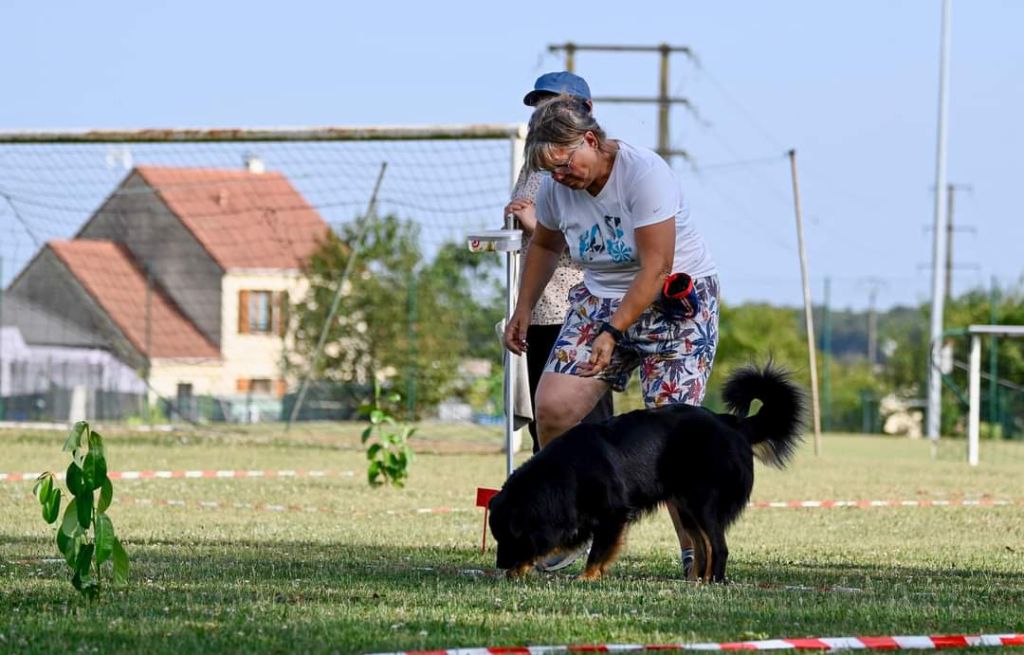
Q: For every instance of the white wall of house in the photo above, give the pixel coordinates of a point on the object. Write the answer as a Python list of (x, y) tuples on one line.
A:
[(204, 375), (28, 369), (255, 352)]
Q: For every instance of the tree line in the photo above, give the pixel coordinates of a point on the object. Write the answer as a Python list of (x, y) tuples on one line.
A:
[(414, 322)]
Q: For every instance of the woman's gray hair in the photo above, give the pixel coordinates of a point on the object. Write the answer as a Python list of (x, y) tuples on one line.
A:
[(559, 123)]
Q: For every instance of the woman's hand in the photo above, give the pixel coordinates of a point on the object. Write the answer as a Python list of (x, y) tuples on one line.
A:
[(600, 355), (525, 212), (515, 332)]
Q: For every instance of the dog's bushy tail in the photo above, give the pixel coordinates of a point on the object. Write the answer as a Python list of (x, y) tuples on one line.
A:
[(778, 426)]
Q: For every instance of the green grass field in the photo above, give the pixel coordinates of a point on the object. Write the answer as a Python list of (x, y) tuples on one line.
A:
[(366, 570)]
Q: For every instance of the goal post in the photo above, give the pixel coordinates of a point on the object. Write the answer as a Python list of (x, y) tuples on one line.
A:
[(976, 332), (60, 187)]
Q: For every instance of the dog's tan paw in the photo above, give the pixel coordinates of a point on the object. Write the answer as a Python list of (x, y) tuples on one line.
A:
[(590, 575)]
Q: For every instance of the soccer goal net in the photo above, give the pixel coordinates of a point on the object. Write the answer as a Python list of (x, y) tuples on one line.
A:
[(187, 273), (993, 424)]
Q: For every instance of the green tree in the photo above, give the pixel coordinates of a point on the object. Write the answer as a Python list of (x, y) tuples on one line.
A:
[(402, 320), (755, 333), (903, 341), (982, 306)]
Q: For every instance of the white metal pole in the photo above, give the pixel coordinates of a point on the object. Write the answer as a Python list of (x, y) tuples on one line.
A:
[(939, 240), (808, 314), (518, 143), (511, 286), (974, 398)]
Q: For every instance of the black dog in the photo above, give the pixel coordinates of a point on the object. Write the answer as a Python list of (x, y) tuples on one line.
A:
[(595, 479)]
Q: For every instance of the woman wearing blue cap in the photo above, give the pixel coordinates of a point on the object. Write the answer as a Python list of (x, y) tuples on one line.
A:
[(621, 211), (553, 303)]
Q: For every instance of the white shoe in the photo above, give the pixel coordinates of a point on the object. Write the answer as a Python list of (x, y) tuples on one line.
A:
[(686, 555), (562, 560)]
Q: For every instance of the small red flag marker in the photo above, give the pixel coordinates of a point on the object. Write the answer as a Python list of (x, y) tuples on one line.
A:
[(483, 499)]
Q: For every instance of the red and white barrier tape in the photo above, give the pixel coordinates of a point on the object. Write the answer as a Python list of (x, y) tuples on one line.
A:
[(148, 475), (931, 642), (216, 504), (942, 502), (273, 507)]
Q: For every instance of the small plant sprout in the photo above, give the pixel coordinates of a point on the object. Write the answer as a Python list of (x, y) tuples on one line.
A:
[(85, 537), (389, 453)]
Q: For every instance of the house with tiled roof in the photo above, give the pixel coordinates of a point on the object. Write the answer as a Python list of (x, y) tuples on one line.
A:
[(182, 273)]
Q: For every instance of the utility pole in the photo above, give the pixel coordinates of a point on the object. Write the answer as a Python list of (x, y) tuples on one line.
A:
[(993, 356), (826, 358), (808, 314), (950, 194), (934, 416), (872, 329), (874, 284), (663, 100)]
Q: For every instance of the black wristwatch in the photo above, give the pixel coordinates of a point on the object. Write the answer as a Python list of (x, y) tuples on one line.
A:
[(610, 329)]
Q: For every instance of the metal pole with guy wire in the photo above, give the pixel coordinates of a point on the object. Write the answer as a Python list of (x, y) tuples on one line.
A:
[(364, 225)]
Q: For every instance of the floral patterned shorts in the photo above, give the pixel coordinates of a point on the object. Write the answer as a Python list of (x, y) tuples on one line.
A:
[(674, 355)]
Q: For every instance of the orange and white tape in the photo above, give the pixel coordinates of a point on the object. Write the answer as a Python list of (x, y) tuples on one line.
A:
[(211, 473), (925, 642)]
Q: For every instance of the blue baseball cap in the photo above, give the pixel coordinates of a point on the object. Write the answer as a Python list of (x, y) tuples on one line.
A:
[(559, 82)]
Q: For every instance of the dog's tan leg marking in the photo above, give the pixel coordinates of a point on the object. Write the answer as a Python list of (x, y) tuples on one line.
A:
[(595, 570), (519, 572), (700, 555), (710, 556)]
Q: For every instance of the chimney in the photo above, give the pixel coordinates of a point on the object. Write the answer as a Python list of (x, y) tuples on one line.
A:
[(254, 164)]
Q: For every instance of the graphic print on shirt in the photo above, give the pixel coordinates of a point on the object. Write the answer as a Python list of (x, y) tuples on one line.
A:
[(596, 241)]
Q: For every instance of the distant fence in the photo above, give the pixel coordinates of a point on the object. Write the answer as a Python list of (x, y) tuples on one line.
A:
[(64, 404)]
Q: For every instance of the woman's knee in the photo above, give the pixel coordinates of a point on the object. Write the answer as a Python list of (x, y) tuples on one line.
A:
[(553, 418), (562, 402)]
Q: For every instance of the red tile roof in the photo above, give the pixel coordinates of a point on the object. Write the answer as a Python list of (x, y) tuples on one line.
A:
[(243, 219), (112, 277)]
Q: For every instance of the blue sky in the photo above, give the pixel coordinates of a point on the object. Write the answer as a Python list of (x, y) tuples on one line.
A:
[(851, 85)]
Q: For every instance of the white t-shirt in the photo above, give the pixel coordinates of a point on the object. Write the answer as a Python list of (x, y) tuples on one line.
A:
[(641, 190)]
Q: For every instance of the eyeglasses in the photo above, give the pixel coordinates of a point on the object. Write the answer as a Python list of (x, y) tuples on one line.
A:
[(566, 165)]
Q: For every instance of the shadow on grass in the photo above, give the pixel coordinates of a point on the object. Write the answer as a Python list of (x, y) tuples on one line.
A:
[(256, 596), (283, 560)]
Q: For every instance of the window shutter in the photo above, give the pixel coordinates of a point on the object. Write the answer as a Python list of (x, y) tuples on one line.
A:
[(243, 311), (282, 387), (281, 313), (242, 384)]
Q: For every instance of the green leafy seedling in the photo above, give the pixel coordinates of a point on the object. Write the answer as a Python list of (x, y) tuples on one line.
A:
[(387, 443), (85, 537)]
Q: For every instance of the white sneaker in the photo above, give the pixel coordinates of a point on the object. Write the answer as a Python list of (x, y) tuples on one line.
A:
[(559, 561), (686, 555)]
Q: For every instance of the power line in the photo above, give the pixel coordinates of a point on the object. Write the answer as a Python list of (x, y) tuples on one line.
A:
[(741, 163), (741, 109)]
